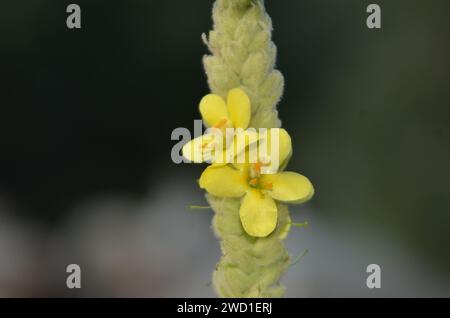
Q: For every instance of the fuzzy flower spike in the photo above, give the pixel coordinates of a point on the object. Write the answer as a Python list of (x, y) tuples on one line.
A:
[(251, 217)]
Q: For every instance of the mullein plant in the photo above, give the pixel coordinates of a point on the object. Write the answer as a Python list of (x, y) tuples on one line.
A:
[(251, 215)]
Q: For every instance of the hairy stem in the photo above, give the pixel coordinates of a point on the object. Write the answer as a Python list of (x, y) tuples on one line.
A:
[(243, 55)]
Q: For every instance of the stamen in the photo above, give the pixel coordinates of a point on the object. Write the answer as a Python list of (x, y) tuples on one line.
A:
[(221, 124), (257, 166), (253, 182)]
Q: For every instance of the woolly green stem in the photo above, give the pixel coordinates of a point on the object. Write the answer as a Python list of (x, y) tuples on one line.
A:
[(249, 267), (244, 56)]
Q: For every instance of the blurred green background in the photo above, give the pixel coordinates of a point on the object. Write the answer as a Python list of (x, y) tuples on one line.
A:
[(87, 115)]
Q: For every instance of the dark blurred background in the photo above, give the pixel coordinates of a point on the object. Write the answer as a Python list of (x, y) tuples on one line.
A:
[(85, 169)]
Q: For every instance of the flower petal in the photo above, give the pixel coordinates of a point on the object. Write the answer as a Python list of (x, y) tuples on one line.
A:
[(282, 148), (239, 108), (223, 181), (288, 187), (244, 167), (285, 144), (258, 214), (213, 109), (200, 149)]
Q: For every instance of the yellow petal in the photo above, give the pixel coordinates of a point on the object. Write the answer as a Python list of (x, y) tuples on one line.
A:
[(276, 151), (201, 149), (285, 144), (258, 214), (288, 187), (239, 108), (213, 109), (244, 167), (223, 181)]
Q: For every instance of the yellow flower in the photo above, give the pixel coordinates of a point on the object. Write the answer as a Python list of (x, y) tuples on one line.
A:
[(218, 114), (258, 211)]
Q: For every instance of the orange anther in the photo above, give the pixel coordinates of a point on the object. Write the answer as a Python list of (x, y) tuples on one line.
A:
[(257, 166), (221, 123)]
